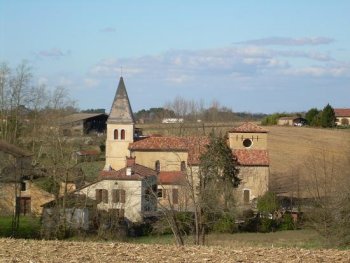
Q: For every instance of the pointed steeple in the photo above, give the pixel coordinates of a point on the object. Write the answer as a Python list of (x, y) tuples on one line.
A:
[(121, 111)]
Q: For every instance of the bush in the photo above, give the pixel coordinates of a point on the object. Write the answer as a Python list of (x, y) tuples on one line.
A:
[(225, 224), (287, 222)]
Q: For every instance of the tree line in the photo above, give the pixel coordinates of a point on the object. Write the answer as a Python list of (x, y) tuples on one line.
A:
[(316, 118)]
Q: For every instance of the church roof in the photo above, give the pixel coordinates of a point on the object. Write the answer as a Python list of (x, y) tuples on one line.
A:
[(250, 157), (249, 127), (121, 111), (195, 146)]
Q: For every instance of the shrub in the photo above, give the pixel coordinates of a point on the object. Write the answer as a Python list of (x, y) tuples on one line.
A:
[(225, 224)]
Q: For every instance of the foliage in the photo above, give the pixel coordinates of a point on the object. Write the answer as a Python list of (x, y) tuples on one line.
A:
[(328, 117), (311, 116), (268, 203), (94, 111), (225, 224), (287, 222), (273, 118)]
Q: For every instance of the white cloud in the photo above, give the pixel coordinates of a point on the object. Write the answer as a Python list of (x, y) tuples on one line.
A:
[(53, 53), (287, 41)]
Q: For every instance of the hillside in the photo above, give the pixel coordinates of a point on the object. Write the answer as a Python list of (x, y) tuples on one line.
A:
[(14, 250)]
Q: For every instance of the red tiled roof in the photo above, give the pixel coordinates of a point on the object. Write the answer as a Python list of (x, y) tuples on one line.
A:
[(249, 157), (159, 143), (172, 177), (249, 127), (195, 146), (342, 112), (138, 173)]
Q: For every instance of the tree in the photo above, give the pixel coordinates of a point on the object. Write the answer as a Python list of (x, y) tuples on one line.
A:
[(218, 176), (328, 117), (268, 203), (310, 116)]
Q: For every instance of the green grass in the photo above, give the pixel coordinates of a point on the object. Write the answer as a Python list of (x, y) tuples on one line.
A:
[(29, 227), (299, 238)]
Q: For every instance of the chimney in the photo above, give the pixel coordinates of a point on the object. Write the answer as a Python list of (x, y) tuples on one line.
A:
[(130, 162)]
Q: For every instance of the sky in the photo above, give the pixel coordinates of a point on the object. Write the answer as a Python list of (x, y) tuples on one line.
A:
[(254, 56)]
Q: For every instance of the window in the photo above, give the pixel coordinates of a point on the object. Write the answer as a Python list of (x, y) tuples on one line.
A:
[(101, 196), (98, 195), (175, 196), (157, 166), (183, 166), (247, 143), (122, 134), (23, 186), (246, 196), (24, 205), (162, 193), (118, 213), (115, 134), (118, 196)]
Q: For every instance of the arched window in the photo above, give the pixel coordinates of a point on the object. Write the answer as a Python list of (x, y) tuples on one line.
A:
[(183, 166), (122, 135), (157, 166), (115, 134)]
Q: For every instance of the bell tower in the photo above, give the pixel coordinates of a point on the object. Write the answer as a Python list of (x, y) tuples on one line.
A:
[(120, 129)]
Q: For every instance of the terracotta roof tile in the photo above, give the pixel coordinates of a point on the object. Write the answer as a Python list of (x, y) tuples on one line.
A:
[(171, 177), (249, 127), (342, 112), (138, 173), (249, 157), (160, 143), (195, 146)]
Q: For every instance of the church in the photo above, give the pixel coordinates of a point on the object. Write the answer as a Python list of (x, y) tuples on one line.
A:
[(161, 164)]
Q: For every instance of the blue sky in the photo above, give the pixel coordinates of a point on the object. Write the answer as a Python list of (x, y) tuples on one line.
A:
[(256, 56)]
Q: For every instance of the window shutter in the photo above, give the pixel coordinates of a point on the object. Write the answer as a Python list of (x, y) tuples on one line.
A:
[(122, 196), (105, 196), (98, 195), (175, 196), (114, 196)]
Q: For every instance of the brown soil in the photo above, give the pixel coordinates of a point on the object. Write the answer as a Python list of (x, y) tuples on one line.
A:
[(12, 250)]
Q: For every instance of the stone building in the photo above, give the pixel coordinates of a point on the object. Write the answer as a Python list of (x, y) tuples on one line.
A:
[(174, 157)]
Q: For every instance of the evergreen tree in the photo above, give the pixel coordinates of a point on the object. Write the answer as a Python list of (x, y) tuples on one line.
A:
[(328, 117), (310, 116)]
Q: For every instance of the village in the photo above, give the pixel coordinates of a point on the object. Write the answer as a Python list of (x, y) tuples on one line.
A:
[(144, 181)]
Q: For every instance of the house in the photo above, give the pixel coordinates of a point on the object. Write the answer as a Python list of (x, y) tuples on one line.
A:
[(129, 192), (83, 123), (342, 116), (174, 157), (18, 194), (292, 121)]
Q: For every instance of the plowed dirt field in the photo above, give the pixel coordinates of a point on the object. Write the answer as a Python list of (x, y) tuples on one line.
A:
[(33, 251)]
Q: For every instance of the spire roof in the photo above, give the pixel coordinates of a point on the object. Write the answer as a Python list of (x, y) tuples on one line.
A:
[(121, 111)]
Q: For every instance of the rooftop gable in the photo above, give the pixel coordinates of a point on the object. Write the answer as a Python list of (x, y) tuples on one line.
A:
[(250, 157), (248, 127), (139, 172), (121, 111)]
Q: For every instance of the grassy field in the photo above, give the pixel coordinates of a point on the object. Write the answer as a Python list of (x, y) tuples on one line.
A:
[(29, 227)]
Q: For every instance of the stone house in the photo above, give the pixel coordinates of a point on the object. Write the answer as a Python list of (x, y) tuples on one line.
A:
[(174, 158), (18, 193), (342, 116), (130, 192)]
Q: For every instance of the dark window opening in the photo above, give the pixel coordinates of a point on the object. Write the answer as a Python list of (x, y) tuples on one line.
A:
[(247, 143), (157, 166), (118, 196), (24, 205), (122, 134), (246, 196), (183, 166), (175, 196), (115, 134)]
